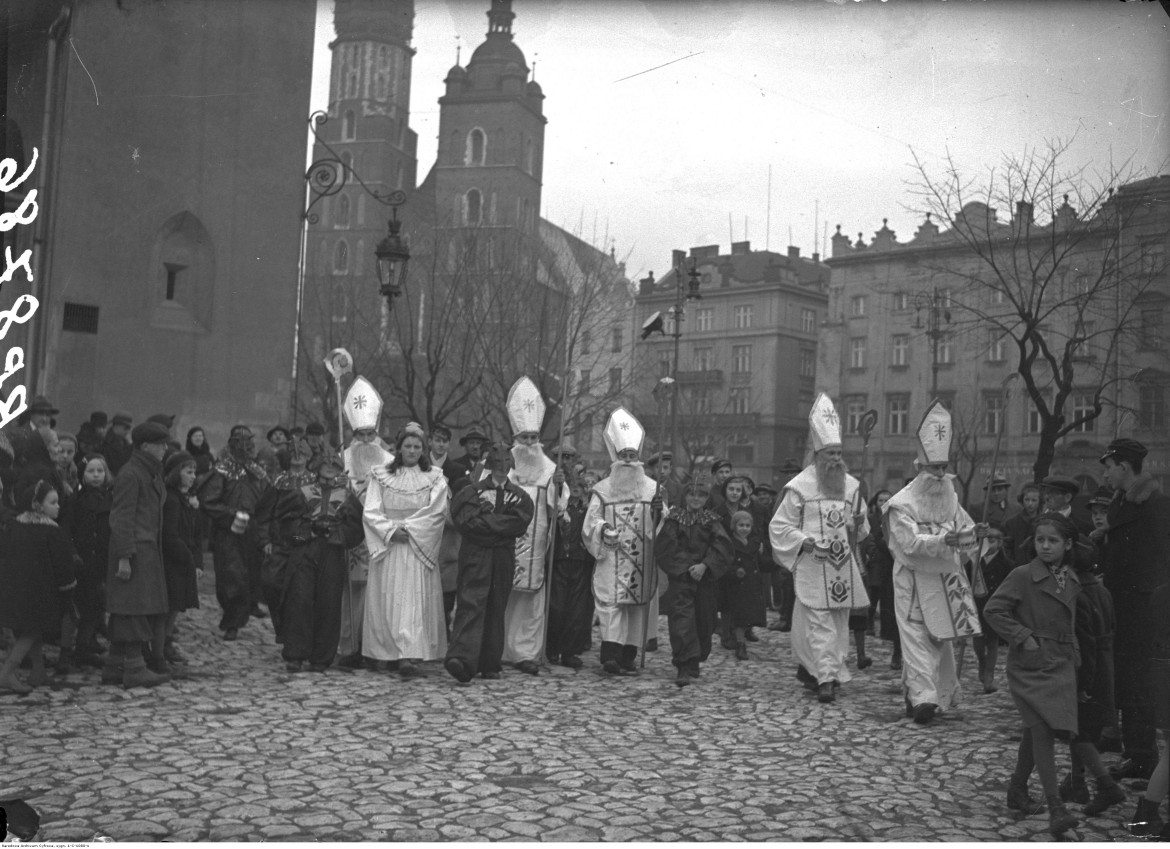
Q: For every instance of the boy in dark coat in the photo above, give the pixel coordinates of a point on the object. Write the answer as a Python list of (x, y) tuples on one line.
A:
[(570, 605)]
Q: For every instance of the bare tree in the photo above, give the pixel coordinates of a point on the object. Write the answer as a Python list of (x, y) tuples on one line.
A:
[(1061, 291)]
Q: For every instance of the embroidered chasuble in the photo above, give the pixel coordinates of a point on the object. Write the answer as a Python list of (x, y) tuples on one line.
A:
[(624, 574)]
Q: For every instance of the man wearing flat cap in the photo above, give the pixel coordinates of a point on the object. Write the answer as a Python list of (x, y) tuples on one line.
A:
[(116, 447), (997, 505), (1058, 492), (229, 497), (471, 464), (1136, 549), (38, 415)]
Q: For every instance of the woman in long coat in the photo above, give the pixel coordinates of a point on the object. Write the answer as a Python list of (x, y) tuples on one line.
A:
[(1034, 610)]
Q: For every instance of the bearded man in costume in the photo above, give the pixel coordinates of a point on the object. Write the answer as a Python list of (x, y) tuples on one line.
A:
[(932, 598), (363, 411), (229, 497), (624, 513), (544, 483), (814, 535)]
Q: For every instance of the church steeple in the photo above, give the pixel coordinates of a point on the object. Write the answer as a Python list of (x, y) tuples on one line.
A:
[(500, 17)]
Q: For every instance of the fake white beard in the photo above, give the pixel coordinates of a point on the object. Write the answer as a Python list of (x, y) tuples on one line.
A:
[(831, 477), (529, 459), (365, 456), (626, 478), (934, 499)]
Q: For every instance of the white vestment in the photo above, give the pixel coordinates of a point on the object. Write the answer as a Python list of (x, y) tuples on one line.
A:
[(932, 598), (524, 616), (404, 596), (625, 577), (826, 590), (353, 600)]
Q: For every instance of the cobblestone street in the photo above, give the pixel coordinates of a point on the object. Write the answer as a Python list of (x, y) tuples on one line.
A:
[(241, 750)]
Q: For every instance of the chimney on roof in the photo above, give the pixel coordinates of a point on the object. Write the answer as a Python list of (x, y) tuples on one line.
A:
[(705, 252), (741, 248), (677, 258), (793, 252), (816, 257)]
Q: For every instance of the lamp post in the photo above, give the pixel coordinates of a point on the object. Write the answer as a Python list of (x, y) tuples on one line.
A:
[(392, 253), (938, 315)]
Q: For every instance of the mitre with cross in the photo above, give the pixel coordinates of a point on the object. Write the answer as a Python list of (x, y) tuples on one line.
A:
[(363, 405), (934, 435), (824, 425), (525, 407), (622, 432)]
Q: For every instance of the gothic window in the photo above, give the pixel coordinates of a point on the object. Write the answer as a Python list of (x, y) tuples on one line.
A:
[(476, 148), (351, 70), (473, 207), (185, 278), (348, 126), (342, 218), (340, 306), (347, 161), (383, 73), (341, 257)]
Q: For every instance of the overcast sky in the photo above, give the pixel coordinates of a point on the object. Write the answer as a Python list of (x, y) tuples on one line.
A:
[(664, 116)]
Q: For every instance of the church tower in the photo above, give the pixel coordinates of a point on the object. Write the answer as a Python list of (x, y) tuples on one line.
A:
[(491, 136)]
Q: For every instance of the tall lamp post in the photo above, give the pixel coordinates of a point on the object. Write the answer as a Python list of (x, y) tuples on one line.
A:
[(392, 253), (938, 316)]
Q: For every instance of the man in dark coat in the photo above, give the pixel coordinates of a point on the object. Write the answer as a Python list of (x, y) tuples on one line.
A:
[(694, 551), (91, 433), (25, 436), (570, 605), (115, 448), (471, 464), (1136, 547), (136, 585), (229, 497), (1017, 531), (440, 443), (305, 522), (997, 507), (492, 514)]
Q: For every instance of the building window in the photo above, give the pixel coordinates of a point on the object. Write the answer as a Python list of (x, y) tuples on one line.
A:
[(615, 380), (857, 353), (946, 350), (743, 316), (80, 318), (1150, 331), (473, 207), (741, 399), (901, 350), (703, 319), (1152, 406), (703, 359), (342, 217), (1035, 422), (898, 415), (854, 411), (808, 362), (741, 455), (340, 304), (172, 285), (701, 400), (617, 340), (586, 342), (341, 257), (583, 382), (996, 346), (857, 306), (664, 365), (808, 321), (1152, 257), (901, 301), (348, 126), (1082, 404), (741, 358), (476, 148), (992, 413)]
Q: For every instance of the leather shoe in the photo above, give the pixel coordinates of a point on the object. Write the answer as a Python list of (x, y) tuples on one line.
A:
[(458, 670), (684, 678), (231, 635), (924, 713), (825, 693), (612, 667), (572, 661), (407, 669), (490, 676), (528, 667), (652, 645), (864, 662), (1131, 768)]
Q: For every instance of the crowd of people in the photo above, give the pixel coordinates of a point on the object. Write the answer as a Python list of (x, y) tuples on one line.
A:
[(390, 556)]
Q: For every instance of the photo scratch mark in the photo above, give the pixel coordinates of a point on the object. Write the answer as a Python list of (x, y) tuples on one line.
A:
[(97, 100), (134, 154), (656, 67)]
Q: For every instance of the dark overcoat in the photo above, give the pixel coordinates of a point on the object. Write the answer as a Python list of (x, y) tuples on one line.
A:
[(37, 566), (1096, 624), (1043, 681), (136, 524), (182, 547)]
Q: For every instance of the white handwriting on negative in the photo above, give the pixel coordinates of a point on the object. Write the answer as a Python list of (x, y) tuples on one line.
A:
[(26, 305)]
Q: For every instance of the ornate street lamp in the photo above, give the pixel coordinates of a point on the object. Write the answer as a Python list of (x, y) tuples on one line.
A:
[(392, 254)]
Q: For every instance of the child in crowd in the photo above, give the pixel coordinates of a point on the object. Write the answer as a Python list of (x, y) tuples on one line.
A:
[(1034, 611), (89, 528), (37, 577), (742, 586), (182, 548), (985, 572), (1146, 821)]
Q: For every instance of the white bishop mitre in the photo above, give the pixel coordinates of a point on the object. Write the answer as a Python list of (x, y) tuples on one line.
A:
[(622, 431), (934, 435), (525, 407), (363, 405), (824, 425)]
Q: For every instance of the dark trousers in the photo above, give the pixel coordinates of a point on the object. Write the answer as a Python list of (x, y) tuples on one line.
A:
[(90, 598), (783, 593), (1135, 703), (889, 622), (310, 612), (570, 608), (691, 607), (477, 634), (624, 655), (235, 558)]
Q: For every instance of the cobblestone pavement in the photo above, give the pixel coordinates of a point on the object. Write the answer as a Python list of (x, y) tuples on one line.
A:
[(241, 750)]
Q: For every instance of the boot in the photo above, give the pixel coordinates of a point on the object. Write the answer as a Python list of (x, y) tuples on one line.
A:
[(1059, 819), (171, 652), (1074, 789), (1018, 799), (1146, 822), (114, 666), (67, 662), (1108, 795), (136, 674), (741, 652)]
